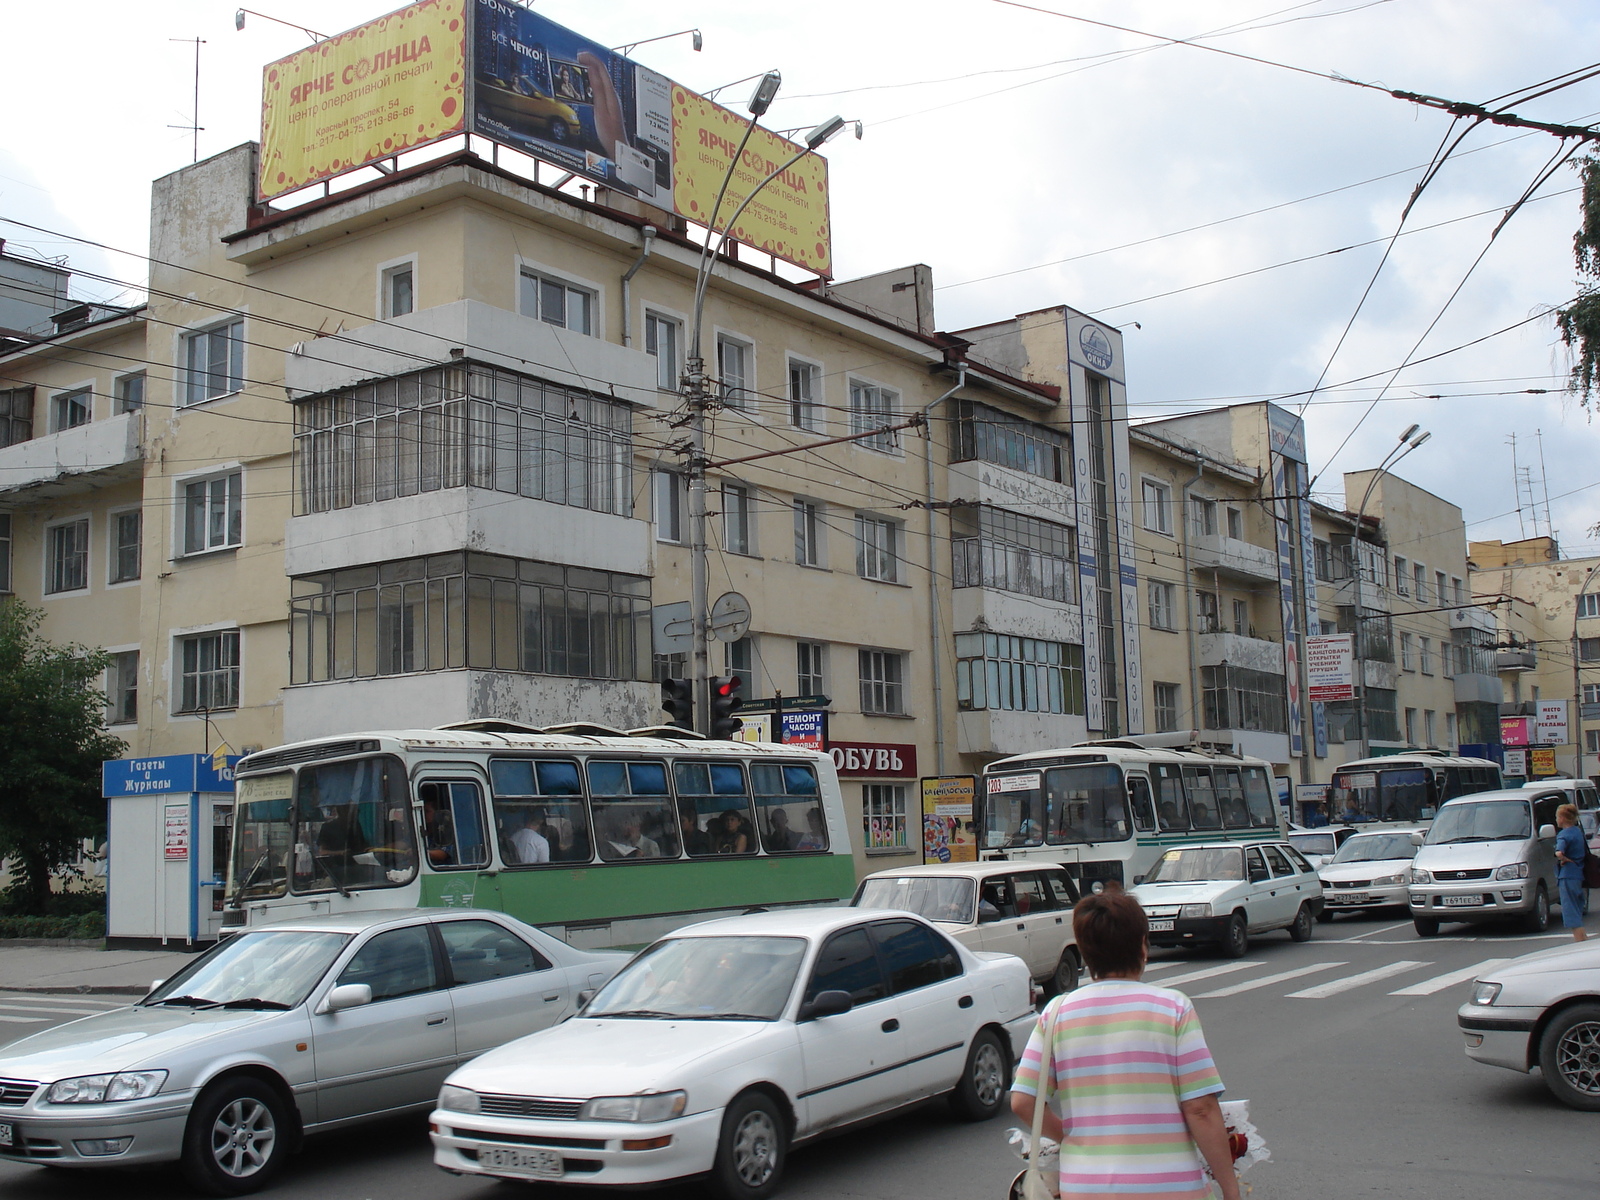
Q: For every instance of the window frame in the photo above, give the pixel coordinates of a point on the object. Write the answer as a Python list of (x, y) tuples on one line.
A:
[(122, 385), (1168, 592), (1157, 507), (738, 517), (205, 479), (1587, 605), (744, 397), (817, 653), (873, 555), (654, 318), (115, 577), (78, 398), (874, 673), (676, 486), (388, 274), (884, 405), (1165, 706), (122, 700), (13, 422), (196, 382), (810, 532), (7, 548), (52, 582), (814, 404), (180, 639), (538, 273), (889, 800)]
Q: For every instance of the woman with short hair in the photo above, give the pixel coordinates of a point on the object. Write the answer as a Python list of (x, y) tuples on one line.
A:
[(1570, 853), (1128, 1079)]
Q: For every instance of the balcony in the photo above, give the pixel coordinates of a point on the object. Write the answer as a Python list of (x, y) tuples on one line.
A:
[(1233, 650), (1233, 557), (989, 483), (990, 610), (995, 732), (1516, 660), (74, 460)]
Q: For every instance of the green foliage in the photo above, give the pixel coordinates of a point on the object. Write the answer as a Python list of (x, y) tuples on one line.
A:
[(1579, 322), (52, 713), (88, 925)]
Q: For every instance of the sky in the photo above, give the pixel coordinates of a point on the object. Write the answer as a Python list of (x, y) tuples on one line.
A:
[(1229, 203)]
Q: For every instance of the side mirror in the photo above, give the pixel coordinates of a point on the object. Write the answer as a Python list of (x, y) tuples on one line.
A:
[(1418, 838), (827, 1004), (987, 913), (585, 996), (348, 995), (1547, 833)]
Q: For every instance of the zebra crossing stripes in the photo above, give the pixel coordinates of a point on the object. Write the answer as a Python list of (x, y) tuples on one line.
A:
[(1207, 973), (1361, 979), (1438, 983), (1251, 985)]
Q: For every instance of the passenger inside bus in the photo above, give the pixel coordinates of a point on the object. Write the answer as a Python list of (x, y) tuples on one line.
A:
[(816, 837), (530, 844), (342, 846), (779, 836), (695, 839), (438, 830), (731, 834), (627, 839)]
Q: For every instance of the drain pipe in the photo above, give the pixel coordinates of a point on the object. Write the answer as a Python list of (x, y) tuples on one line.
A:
[(649, 232), (1196, 709), (934, 643)]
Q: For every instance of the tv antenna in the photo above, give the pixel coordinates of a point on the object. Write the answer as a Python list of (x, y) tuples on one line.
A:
[(194, 127)]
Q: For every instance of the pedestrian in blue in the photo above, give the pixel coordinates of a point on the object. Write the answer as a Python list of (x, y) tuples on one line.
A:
[(1570, 852)]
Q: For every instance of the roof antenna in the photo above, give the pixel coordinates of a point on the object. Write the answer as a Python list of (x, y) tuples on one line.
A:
[(195, 127)]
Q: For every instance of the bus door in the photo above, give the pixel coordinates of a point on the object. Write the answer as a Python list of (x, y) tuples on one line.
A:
[(459, 842), (1141, 800)]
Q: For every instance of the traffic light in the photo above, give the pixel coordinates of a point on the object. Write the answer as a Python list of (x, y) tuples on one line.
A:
[(727, 697), (677, 697)]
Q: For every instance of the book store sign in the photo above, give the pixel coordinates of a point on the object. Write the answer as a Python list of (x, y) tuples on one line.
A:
[(874, 760)]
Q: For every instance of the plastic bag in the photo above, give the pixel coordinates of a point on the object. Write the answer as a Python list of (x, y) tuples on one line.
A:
[(1049, 1164), (1244, 1139)]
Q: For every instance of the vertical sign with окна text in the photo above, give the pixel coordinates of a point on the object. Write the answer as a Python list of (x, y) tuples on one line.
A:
[(175, 832)]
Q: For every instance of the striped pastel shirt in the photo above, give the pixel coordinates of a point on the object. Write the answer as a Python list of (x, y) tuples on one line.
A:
[(1120, 1058)]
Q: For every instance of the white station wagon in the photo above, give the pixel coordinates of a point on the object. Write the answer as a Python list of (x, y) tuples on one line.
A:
[(1224, 892)]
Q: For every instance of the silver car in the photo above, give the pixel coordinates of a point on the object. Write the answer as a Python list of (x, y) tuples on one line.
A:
[(1370, 870), (287, 1029), (1487, 856)]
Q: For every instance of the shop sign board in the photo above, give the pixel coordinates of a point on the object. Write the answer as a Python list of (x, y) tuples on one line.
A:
[(948, 833), (1517, 763), (1542, 762), (874, 760), (1552, 728), (1516, 731), (1331, 667)]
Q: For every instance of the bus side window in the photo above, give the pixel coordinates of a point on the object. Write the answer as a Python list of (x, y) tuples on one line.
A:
[(1258, 798), (452, 823), (539, 812), (1202, 797), (1144, 817), (1171, 806), (1458, 781)]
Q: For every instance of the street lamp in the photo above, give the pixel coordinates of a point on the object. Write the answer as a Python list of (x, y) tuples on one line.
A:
[(1409, 441)]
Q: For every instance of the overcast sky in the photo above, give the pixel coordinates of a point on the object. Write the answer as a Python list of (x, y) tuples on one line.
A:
[(1031, 160)]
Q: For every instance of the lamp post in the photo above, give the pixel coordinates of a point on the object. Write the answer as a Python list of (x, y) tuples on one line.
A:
[(697, 393), (1577, 676), (1409, 441)]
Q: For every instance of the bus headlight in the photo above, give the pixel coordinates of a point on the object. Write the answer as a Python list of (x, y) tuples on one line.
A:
[(1194, 912)]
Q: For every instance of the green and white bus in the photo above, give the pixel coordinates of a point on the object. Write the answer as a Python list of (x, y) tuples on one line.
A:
[(601, 837), (1108, 809)]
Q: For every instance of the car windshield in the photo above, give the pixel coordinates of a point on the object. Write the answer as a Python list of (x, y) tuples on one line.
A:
[(1201, 863), (1374, 847), (705, 979), (1482, 821), (1312, 843), (266, 969), (938, 899)]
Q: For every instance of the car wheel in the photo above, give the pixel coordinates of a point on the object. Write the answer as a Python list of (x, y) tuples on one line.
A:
[(1066, 977), (753, 1146), (557, 130), (1325, 916), (1426, 926), (984, 1080), (237, 1138), (1538, 919), (1300, 931), (1569, 1057), (1236, 938)]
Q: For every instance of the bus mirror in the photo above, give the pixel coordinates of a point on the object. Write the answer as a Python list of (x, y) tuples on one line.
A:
[(1417, 837)]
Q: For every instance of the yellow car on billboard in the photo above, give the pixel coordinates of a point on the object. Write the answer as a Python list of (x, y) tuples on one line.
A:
[(520, 105)]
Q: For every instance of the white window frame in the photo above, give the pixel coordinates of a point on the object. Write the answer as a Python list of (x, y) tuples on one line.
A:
[(527, 268), (48, 580), (60, 401), (1402, 577), (1419, 583), (388, 272), (1408, 660), (1449, 730), (114, 688), (885, 803), (235, 370), (668, 373), (1241, 617), (179, 638), (113, 520), (669, 493), (879, 681), (1235, 518), (1410, 729), (810, 532), (1156, 508), (813, 408), (182, 484), (1425, 655), (120, 386), (1205, 516), (818, 654), (1588, 605), (1430, 728), (884, 411), (743, 397), (1159, 710), (738, 517), (1458, 590), (876, 560), (1166, 608)]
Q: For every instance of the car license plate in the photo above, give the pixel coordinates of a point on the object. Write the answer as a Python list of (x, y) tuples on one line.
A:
[(1349, 897), (10, 1138), (1161, 926), (1472, 901), (544, 1163)]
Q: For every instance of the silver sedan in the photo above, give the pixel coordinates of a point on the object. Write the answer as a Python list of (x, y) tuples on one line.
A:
[(287, 1029)]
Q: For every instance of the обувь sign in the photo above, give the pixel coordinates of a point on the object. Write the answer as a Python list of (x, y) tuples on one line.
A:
[(886, 760)]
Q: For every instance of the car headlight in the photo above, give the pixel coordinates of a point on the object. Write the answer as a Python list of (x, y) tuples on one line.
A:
[(1485, 993), (458, 1099), (1388, 880), (645, 1109), (1418, 875), (1518, 870), (105, 1089), (1190, 912)]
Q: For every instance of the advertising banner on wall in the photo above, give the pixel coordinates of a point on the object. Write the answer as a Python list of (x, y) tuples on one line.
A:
[(1331, 667), (948, 833), (1516, 731), (1542, 762), (1516, 762), (1552, 727), (393, 84)]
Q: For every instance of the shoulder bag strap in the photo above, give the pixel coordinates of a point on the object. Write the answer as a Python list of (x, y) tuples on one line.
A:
[(1036, 1186)]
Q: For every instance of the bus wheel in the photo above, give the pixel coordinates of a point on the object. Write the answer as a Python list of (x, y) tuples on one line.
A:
[(1236, 938)]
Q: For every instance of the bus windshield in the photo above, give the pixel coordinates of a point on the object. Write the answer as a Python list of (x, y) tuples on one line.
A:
[(1485, 821), (1397, 794), (1072, 805)]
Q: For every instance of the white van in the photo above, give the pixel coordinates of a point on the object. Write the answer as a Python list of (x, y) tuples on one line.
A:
[(1488, 856), (1582, 793)]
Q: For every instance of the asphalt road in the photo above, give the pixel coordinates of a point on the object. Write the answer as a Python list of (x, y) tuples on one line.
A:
[(1346, 1047)]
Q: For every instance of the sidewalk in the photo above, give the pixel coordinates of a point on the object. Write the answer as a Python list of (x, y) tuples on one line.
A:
[(77, 968)]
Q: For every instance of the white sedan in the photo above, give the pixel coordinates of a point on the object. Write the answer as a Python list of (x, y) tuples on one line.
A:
[(1226, 892), (726, 1043)]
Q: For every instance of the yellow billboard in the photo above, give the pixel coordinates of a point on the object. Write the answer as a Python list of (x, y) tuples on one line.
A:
[(390, 85), (788, 218)]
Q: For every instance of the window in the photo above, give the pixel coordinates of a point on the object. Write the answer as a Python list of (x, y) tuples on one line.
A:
[(214, 361), (735, 368), (1210, 617), (16, 415), (633, 814), (1165, 703), (883, 816), (479, 951), (740, 660), (1449, 731), (1419, 583), (1425, 655), (1589, 604), (997, 548), (469, 610), (1429, 727), (1322, 556), (126, 532), (122, 688), (1162, 606), (986, 434), (213, 517), (1236, 524), (208, 671), (877, 548), (463, 425), (1408, 660), (1441, 592), (669, 666), (788, 807), (1241, 618), (1240, 698), (808, 533), (1589, 649), (714, 808), (399, 290), (1411, 726), (544, 796), (129, 392), (1591, 693), (68, 410), (811, 675), (848, 963), (1591, 741), (394, 964), (1017, 674), (68, 548), (874, 408), (662, 336), (882, 679), (805, 395), (1157, 498), (1402, 576), (556, 302), (672, 502), (915, 956), (737, 519), (1458, 590), (5, 552), (1205, 517)]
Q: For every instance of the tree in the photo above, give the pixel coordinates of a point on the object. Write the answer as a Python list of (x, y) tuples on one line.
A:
[(52, 742), (1579, 322)]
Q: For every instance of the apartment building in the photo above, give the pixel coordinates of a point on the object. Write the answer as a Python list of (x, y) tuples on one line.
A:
[(412, 453)]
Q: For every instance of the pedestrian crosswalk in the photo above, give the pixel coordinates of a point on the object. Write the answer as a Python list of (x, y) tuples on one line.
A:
[(37, 1008), (1223, 980)]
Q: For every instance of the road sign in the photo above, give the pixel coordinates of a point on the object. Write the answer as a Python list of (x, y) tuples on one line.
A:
[(730, 617), (672, 628)]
